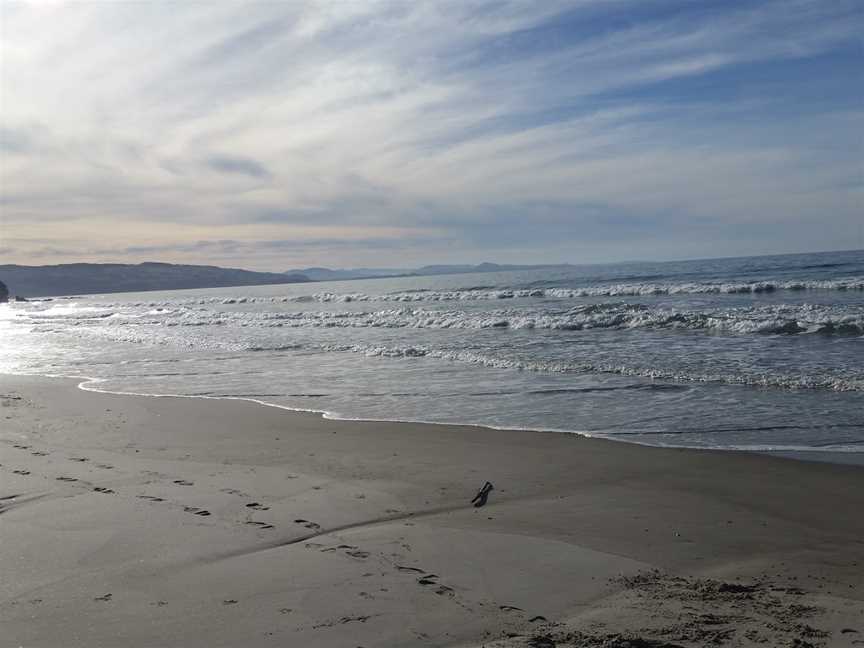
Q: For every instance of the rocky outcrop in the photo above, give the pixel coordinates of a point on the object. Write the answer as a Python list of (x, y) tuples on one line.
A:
[(4, 293)]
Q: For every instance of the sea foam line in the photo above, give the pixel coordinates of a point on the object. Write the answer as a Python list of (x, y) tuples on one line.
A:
[(89, 383)]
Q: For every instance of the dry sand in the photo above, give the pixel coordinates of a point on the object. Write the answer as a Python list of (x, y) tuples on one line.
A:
[(138, 521)]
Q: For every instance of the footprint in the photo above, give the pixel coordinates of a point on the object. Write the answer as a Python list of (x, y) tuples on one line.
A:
[(104, 466), (183, 482), (196, 511), (39, 453), (537, 618), (262, 525), (79, 459), (308, 524), (429, 579), (344, 546), (510, 608), (285, 610), (443, 590), (362, 555), (233, 491), (104, 597), (152, 498), (102, 489), (402, 568), (21, 472), (20, 446), (258, 507), (67, 479), (229, 602)]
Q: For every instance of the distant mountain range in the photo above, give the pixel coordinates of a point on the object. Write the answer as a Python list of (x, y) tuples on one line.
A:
[(327, 274), (95, 278)]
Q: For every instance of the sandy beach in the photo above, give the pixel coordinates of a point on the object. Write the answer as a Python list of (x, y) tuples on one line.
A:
[(145, 521)]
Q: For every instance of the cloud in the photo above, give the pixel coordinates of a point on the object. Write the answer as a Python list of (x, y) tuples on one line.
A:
[(14, 141), (243, 166), (515, 129)]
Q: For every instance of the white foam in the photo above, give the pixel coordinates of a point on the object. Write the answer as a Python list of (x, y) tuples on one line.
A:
[(782, 319), (609, 290)]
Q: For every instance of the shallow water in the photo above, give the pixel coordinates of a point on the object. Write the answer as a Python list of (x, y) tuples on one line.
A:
[(761, 353)]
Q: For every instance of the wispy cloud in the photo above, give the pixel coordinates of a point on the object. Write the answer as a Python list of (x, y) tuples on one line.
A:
[(513, 130), (243, 166)]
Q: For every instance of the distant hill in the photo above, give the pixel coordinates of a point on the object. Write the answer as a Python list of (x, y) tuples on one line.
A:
[(326, 274), (4, 293), (95, 278)]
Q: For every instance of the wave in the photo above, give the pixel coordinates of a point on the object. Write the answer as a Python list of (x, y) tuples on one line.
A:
[(742, 429), (472, 293), (609, 290), (782, 319), (613, 290), (785, 381), (274, 349), (82, 316), (778, 320)]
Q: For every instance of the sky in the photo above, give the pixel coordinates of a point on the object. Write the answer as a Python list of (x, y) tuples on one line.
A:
[(347, 133)]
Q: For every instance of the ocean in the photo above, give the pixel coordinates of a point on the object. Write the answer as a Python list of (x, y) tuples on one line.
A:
[(759, 353)]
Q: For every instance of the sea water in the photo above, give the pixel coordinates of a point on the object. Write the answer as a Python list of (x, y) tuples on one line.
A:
[(759, 353)]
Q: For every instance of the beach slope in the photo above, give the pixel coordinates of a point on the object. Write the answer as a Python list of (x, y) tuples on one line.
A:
[(144, 521)]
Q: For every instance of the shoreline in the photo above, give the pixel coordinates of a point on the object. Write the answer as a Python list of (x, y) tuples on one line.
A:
[(203, 519), (796, 453)]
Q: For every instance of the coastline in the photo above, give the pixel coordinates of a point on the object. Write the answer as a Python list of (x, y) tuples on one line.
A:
[(87, 383), (215, 516)]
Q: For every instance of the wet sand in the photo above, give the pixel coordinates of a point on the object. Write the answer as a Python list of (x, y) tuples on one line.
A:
[(140, 521)]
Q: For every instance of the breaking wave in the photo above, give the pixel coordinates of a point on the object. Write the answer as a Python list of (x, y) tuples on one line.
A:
[(274, 349), (765, 320), (782, 319), (614, 290)]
